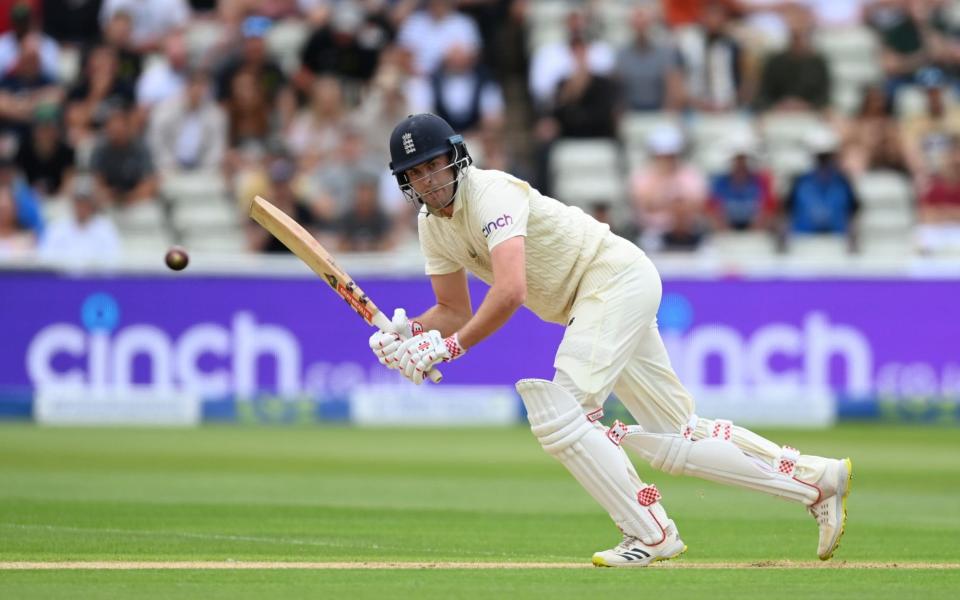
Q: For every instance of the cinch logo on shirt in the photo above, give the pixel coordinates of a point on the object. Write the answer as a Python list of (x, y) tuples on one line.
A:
[(497, 224)]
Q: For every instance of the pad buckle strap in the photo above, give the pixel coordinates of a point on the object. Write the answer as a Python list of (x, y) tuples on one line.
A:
[(787, 463), (617, 432), (690, 428), (648, 495), (722, 429), (595, 415)]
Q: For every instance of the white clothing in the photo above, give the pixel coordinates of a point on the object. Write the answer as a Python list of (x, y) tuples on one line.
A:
[(69, 243), (152, 19), (49, 55), (552, 63), (158, 83), (429, 39)]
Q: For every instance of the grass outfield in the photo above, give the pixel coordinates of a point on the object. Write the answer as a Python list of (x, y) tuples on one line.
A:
[(443, 496)]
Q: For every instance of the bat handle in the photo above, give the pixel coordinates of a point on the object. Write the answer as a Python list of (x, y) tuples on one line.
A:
[(381, 321)]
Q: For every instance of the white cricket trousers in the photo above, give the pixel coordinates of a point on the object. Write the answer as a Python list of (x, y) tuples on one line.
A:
[(612, 343)]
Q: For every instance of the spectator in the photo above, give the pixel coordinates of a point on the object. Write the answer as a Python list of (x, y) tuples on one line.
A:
[(586, 105), (118, 34), (365, 227), (23, 25), (926, 137), (742, 198), (44, 156), (939, 217), (822, 200), (335, 179), (872, 139), (281, 174), (315, 134), (796, 78), (649, 69), (386, 104), (248, 111), (189, 131), (911, 33), (16, 240), (153, 20), (429, 34), (25, 87), (122, 164), (552, 63), (89, 100), (164, 79), (25, 201), (715, 64), (668, 195), (347, 45), (74, 22), (464, 93), (84, 237), (253, 58)]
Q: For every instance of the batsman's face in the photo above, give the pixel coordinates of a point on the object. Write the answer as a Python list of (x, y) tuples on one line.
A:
[(433, 181)]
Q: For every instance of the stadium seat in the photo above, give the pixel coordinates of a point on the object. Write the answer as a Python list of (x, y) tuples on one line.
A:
[(212, 215), (817, 247), (884, 189), (202, 35), (742, 244), (716, 128), (636, 126), (789, 130), (146, 244), (582, 190), (191, 187), (585, 156), (70, 67), (285, 39), (140, 217), (226, 242)]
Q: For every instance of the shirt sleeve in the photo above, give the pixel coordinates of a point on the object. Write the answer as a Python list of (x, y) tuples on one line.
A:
[(437, 262), (504, 208)]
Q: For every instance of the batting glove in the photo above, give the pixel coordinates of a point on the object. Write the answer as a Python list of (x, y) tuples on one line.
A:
[(416, 356), (385, 343)]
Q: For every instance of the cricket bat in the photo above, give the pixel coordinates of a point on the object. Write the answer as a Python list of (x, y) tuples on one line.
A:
[(306, 247)]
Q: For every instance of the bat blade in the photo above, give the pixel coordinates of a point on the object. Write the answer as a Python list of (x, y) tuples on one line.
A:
[(306, 247)]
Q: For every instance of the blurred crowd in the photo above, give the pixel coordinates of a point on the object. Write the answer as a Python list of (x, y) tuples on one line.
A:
[(110, 108)]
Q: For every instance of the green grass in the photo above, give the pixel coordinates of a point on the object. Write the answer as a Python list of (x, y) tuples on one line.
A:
[(333, 494)]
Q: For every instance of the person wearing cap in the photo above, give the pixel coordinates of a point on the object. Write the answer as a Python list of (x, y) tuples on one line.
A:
[(253, 56), (668, 194), (742, 197), (44, 156), (83, 236), (823, 200)]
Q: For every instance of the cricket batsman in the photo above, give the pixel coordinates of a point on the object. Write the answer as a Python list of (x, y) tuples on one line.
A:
[(570, 269)]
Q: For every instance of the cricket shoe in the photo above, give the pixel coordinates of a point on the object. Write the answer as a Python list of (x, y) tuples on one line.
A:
[(631, 552), (831, 511)]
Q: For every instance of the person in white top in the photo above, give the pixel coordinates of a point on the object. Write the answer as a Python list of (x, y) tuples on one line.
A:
[(570, 269), (83, 237), (152, 20), (429, 34)]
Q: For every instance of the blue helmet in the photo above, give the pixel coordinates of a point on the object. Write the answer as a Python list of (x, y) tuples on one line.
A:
[(420, 138)]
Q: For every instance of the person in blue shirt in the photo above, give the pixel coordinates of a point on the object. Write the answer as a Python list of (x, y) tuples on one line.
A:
[(823, 200)]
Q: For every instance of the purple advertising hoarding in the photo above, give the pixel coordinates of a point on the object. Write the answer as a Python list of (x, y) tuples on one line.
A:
[(240, 336)]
